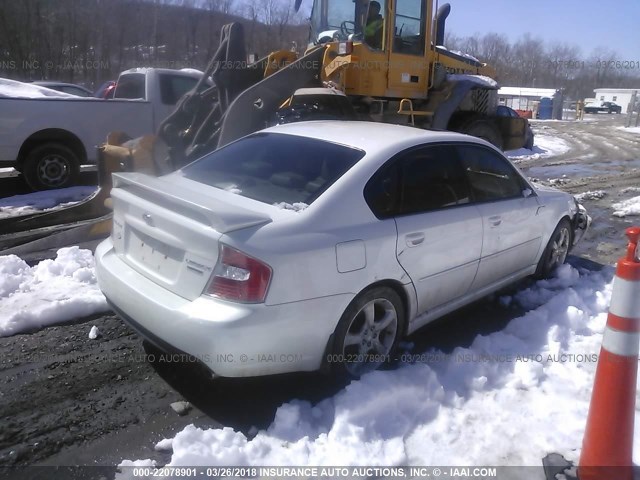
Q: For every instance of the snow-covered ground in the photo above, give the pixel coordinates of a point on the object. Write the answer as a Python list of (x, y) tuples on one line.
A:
[(42, 201), (630, 129), (511, 398), (53, 291), (545, 146), (591, 195), (627, 207)]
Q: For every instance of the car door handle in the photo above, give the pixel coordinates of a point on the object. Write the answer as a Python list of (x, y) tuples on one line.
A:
[(414, 239), (495, 221)]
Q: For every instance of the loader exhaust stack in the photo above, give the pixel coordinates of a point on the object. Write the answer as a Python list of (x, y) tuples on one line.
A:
[(439, 24)]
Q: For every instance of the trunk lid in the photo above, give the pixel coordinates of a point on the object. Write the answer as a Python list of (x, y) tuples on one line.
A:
[(168, 228)]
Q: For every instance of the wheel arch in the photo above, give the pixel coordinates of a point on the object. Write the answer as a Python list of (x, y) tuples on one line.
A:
[(409, 302), (403, 291), (571, 233), (53, 135)]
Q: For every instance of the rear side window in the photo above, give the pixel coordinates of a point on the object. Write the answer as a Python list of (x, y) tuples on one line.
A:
[(491, 176), (431, 179), (75, 91), (422, 180), (131, 86), (173, 87), (275, 168)]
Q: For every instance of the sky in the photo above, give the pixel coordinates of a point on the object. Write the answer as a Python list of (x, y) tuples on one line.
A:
[(614, 24)]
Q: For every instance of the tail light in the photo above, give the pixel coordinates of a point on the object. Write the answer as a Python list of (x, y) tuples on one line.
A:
[(239, 277)]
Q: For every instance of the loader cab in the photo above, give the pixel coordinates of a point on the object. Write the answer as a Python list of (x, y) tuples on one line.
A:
[(376, 23), (390, 39), (362, 21)]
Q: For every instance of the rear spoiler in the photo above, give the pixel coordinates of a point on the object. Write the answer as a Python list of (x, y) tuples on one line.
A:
[(214, 210)]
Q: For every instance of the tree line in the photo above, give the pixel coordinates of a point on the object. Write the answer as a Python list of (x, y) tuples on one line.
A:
[(532, 62), (90, 41)]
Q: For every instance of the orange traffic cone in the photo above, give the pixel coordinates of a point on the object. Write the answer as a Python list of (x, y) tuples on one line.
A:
[(607, 447)]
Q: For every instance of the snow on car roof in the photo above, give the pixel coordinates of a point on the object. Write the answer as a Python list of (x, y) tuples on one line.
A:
[(14, 89), (366, 136)]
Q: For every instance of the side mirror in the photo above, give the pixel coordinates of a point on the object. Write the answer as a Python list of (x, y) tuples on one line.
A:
[(527, 192)]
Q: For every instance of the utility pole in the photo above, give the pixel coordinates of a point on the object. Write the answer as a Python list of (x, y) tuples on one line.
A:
[(631, 108)]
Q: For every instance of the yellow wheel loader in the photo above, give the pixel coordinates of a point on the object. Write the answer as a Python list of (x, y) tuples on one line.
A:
[(375, 60), (384, 58)]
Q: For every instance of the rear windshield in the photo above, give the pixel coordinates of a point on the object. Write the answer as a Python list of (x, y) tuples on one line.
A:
[(275, 168), (131, 86), (173, 87)]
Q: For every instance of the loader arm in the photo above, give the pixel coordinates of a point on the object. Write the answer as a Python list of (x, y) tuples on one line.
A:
[(243, 99), (256, 107)]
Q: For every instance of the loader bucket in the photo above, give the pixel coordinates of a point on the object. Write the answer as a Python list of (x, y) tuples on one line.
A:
[(85, 221)]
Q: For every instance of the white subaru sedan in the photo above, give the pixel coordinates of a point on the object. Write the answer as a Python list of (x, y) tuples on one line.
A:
[(321, 244)]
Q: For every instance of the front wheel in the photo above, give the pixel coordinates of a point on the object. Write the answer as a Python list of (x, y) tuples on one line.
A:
[(483, 129), (557, 250), (368, 332), (51, 165)]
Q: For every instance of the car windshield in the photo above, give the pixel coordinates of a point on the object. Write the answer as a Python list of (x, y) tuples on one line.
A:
[(337, 15), (275, 168)]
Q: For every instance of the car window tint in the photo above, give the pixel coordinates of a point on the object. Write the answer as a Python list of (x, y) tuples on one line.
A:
[(381, 192), (274, 168), (173, 87), (75, 91), (491, 176), (431, 179), (131, 86)]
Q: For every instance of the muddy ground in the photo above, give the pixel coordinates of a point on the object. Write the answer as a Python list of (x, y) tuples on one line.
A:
[(68, 400), (603, 157)]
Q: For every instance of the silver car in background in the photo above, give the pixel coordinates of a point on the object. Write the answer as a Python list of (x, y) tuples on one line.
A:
[(323, 243)]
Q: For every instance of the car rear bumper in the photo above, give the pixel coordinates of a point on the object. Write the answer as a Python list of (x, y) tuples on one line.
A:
[(232, 340)]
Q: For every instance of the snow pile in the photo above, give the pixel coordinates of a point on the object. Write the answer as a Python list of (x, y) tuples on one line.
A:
[(166, 444), (13, 89), (481, 80), (630, 129), (42, 201), (296, 207), (556, 182), (511, 398), (591, 195), (233, 188), (53, 291), (627, 207), (545, 146), (94, 333)]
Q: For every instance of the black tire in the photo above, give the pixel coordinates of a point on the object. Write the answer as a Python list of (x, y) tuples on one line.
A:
[(484, 129), (555, 254), (352, 361), (51, 165), (529, 141)]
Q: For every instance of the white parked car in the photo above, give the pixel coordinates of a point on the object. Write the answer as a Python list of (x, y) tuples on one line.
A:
[(323, 243)]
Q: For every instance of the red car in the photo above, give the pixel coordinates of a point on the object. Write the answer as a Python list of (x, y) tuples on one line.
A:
[(106, 90)]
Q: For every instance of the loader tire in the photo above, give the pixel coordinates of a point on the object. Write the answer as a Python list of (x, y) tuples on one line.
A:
[(483, 129), (51, 165)]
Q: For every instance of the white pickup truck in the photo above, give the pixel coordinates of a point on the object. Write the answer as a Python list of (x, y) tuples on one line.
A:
[(47, 138)]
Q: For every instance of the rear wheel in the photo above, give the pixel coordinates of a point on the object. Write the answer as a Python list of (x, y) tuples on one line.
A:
[(368, 332), (557, 250), (51, 165), (484, 129)]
